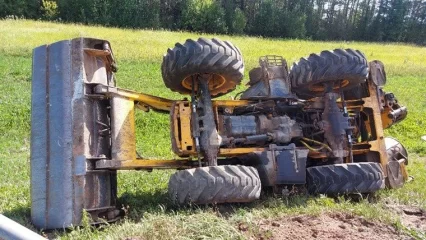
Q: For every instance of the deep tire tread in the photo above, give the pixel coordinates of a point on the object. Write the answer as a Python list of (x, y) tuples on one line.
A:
[(345, 178), (328, 66), (218, 184), (203, 56)]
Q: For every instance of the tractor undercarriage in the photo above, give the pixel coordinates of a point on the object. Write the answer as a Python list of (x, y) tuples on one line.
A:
[(317, 125)]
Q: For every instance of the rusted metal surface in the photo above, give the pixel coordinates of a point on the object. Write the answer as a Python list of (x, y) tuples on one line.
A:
[(377, 73), (395, 150), (68, 131), (270, 80), (392, 112), (397, 160), (251, 129), (334, 125), (396, 174), (209, 137)]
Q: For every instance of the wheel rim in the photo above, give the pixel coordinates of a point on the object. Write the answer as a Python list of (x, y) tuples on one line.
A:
[(319, 87), (216, 81)]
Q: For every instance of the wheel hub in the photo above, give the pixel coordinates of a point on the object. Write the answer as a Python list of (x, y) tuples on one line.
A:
[(321, 87), (215, 81)]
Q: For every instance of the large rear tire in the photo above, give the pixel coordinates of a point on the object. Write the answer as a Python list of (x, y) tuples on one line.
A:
[(219, 58), (216, 184), (347, 178), (344, 68)]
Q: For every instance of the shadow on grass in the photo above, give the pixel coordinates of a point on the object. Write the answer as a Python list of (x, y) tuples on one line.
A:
[(136, 204), (156, 202)]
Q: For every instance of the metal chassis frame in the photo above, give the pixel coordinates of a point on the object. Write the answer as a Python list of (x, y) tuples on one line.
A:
[(83, 130), (124, 101), (123, 140)]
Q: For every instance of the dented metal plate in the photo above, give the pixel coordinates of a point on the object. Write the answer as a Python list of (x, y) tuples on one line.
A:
[(68, 131)]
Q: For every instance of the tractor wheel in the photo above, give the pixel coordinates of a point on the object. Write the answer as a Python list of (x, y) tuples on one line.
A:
[(344, 68), (216, 184), (219, 58), (347, 178)]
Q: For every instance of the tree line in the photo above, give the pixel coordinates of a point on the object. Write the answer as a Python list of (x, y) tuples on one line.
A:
[(362, 20)]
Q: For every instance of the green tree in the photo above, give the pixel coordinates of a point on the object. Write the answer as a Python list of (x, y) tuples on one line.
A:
[(171, 13), (20, 8), (265, 20), (395, 27), (203, 16), (279, 19), (49, 10), (239, 21), (135, 13)]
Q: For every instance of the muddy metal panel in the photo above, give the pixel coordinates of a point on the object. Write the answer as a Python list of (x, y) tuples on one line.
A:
[(123, 129), (69, 130)]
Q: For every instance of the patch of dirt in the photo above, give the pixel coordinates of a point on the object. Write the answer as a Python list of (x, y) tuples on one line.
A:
[(411, 217), (325, 226)]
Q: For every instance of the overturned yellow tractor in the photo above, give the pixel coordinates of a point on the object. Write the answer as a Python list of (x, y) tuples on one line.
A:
[(318, 125)]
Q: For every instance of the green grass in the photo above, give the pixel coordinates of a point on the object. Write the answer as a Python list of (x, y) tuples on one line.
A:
[(139, 55)]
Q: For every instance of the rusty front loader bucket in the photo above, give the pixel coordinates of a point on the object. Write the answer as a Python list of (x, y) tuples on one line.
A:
[(70, 129)]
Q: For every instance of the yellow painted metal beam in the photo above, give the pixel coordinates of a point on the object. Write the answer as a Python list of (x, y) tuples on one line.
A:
[(231, 103), (145, 164), (227, 152), (157, 103)]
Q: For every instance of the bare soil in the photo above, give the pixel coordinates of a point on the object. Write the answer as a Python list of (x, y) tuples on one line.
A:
[(325, 226), (411, 217)]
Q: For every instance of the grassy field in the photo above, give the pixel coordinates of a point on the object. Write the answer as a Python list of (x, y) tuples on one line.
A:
[(139, 55)]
